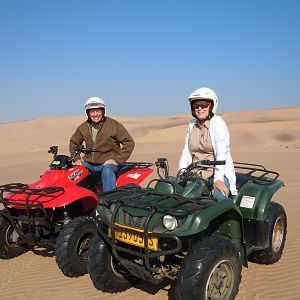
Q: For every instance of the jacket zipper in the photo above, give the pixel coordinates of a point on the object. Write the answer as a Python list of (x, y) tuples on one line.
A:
[(94, 142)]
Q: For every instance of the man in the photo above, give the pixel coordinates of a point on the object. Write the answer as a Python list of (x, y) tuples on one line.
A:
[(105, 135)]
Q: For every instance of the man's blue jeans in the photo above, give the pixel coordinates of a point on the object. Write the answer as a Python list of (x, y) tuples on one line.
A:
[(217, 194), (107, 172)]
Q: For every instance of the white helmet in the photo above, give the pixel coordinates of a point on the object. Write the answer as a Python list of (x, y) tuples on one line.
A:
[(204, 93), (94, 102)]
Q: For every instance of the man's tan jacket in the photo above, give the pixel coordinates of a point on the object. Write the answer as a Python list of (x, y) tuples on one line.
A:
[(112, 140)]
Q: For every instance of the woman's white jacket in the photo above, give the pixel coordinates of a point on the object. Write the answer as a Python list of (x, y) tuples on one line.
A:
[(220, 141)]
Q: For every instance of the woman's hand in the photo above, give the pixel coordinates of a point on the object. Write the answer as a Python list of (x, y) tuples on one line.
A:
[(220, 185)]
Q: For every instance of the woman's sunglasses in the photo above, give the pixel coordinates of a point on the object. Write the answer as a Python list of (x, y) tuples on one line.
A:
[(200, 104)]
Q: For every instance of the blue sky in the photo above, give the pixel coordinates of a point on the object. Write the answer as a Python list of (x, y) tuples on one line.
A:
[(144, 57)]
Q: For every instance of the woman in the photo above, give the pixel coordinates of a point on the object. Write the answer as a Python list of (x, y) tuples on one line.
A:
[(208, 138)]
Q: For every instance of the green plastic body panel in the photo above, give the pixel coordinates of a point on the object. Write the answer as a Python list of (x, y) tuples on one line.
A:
[(199, 222), (224, 217), (192, 223), (260, 195)]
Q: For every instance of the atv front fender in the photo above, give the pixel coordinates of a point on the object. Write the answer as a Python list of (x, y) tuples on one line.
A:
[(71, 195), (199, 222)]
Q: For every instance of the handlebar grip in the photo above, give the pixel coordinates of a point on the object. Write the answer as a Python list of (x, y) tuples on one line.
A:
[(85, 150), (213, 162)]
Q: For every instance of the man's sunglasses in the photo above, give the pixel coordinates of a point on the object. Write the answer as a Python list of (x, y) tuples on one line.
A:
[(200, 104)]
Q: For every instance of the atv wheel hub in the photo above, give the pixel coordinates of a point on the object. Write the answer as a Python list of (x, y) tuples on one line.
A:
[(220, 281), (11, 236), (278, 233)]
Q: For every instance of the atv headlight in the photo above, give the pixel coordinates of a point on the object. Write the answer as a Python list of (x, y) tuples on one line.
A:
[(170, 222)]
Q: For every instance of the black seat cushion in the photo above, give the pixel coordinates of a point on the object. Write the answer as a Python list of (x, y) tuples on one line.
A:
[(241, 179)]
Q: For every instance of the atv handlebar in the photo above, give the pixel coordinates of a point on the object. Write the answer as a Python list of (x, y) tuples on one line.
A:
[(162, 164), (200, 165), (67, 160), (210, 162), (79, 149), (85, 150), (205, 164)]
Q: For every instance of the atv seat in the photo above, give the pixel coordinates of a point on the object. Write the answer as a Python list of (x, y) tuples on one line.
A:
[(123, 169), (241, 179), (96, 178)]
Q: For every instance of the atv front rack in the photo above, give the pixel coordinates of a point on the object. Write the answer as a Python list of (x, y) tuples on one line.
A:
[(31, 212), (138, 165), (257, 173), (132, 195), (148, 199), (27, 192)]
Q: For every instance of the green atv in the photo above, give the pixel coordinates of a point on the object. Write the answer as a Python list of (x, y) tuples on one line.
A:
[(174, 229)]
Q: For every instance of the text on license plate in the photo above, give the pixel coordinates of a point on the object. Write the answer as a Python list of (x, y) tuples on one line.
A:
[(134, 238)]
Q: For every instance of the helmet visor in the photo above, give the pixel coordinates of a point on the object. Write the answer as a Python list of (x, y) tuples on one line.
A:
[(94, 105)]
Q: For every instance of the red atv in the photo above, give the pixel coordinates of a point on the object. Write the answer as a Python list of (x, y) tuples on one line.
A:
[(34, 214)]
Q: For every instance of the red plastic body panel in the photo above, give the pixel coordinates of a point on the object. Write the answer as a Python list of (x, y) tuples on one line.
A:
[(70, 192), (134, 176), (67, 179)]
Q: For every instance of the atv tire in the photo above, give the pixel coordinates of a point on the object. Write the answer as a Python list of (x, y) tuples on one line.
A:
[(277, 229), (72, 246), (9, 246), (104, 271), (211, 270)]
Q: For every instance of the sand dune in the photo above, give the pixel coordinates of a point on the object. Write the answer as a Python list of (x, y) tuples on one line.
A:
[(268, 137)]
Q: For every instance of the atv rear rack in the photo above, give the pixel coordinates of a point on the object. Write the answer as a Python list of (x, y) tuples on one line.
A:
[(138, 165), (257, 173), (133, 165)]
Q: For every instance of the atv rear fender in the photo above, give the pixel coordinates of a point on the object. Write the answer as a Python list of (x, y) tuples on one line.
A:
[(254, 198)]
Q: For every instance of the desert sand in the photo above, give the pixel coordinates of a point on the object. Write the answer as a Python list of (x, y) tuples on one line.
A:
[(267, 137)]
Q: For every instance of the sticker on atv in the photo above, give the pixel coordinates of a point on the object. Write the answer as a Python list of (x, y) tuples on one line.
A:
[(247, 201), (75, 175), (134, 175)]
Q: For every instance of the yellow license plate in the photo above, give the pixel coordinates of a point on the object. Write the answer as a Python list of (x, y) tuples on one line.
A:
[(133, 238)]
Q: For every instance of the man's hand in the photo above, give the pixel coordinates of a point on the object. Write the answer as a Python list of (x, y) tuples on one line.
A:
[(220, 185), (78, 162), (111, 162)]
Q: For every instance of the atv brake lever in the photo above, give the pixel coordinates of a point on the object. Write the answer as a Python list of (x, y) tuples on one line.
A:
[(53, 150)]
